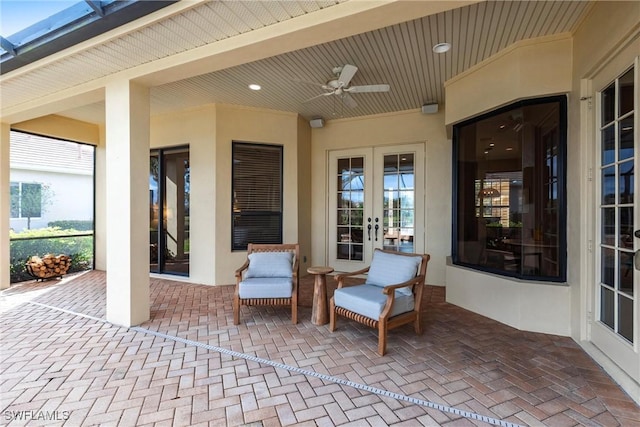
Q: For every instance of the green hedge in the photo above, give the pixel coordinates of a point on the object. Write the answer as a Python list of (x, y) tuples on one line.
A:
[(41, 242), (80, 225)]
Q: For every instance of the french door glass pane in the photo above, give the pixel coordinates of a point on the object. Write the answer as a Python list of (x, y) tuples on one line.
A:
[(625, 317), (626, 138), (626, 92), (608, 266), (608, 145), (399, 206), (626, 271), (350, 208), (606, 307), (608, 226), (609, 185), (625, 183), (608, 104)]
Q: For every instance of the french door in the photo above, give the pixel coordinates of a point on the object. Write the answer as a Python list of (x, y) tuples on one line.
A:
[(376, 200), (615, 331)]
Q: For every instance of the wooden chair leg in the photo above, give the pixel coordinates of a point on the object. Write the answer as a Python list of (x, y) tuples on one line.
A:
[(236, 310), (417, 325), (332, 315), (294, 312), (382, 338)]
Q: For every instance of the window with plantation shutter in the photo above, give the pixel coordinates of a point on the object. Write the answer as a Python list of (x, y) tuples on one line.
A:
[(257, 194)]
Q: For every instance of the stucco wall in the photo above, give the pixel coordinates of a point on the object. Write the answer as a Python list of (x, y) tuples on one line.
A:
[(525, 69), (257, 126), (197, 129), (209, 132), (390, 129), (61, 127)]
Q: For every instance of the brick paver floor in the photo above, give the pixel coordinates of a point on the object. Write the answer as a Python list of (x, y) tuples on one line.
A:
[(62, 364)]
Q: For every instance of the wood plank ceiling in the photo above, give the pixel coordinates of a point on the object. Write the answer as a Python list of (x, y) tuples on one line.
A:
[(400, 55)]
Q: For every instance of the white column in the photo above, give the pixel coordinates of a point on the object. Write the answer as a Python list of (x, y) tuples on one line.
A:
[(127, 202), (5, 210)]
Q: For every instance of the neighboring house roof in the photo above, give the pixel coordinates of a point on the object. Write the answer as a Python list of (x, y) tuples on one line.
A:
[(33, 152)]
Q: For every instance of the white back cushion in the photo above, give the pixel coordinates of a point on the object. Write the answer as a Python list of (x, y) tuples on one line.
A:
[(270, 264), (390, 269)]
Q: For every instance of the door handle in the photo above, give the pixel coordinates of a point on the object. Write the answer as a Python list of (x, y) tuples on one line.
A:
[(637, 233), (369, 228), (377, 228)]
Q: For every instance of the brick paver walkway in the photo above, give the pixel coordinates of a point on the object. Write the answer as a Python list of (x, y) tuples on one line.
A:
[(190, 366)]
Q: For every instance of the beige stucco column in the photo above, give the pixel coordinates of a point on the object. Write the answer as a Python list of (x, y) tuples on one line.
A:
[(4, 205), (127, 202)]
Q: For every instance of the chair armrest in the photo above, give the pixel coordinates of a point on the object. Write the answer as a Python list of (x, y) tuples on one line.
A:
[(391, 295), (411, 282), (241, 269), (296, 268), (340, 277)]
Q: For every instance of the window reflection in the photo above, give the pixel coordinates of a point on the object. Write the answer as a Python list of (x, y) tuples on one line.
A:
[(509, 199)]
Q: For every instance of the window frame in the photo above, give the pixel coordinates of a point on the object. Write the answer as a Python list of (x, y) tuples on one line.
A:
[(20, 200), (561, 189), (236, 246)]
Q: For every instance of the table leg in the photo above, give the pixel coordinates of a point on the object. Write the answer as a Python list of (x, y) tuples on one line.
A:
[(320, 311)]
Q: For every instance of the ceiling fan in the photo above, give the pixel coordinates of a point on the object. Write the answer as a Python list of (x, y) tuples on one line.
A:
[(339, 86)]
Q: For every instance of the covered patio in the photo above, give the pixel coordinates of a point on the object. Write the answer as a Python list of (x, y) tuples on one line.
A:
[(189, 365)]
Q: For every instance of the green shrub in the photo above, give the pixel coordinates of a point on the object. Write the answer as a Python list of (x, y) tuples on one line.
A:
[(80, 225), (43, 241)]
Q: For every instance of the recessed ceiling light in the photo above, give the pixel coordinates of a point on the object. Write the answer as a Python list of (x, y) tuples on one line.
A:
[(442, 47), (254, 86), (509, 148)]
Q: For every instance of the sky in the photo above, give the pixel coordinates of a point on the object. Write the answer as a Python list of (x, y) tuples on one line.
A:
[(16, 15)]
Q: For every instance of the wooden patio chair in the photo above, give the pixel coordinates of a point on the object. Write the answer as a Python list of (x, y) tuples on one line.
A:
[(390, 296), (268, 277)]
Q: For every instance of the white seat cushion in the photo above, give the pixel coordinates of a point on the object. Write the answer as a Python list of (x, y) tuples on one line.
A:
[(390, 269), (368, 300), (266, 287)]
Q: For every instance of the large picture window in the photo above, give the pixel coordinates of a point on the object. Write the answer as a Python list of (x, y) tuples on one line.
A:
[(257, 194), (509, 203)]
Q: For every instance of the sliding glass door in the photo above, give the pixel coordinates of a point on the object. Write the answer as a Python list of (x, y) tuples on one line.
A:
[(169, 211)]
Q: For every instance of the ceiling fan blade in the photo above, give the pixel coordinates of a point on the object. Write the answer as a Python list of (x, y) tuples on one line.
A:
[(308, 82), (368, 88), (317, 96), (349, 101), (347, 73)]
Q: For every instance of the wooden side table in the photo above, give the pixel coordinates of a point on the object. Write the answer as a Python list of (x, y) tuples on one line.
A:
[(320, 311)]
